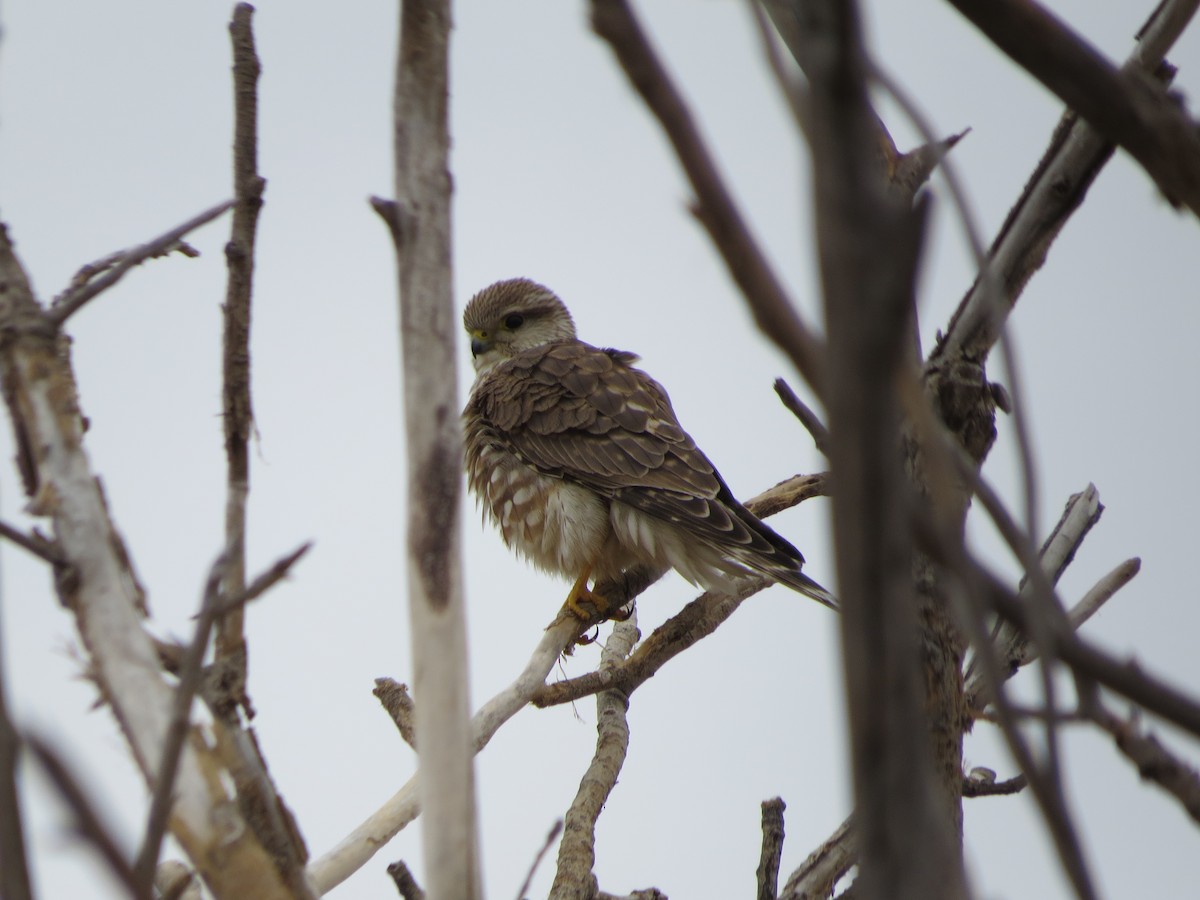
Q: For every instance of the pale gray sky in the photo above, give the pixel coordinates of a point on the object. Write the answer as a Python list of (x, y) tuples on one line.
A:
[(115, 125)]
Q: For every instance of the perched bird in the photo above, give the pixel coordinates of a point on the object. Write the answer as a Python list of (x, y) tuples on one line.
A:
[(579, 460)]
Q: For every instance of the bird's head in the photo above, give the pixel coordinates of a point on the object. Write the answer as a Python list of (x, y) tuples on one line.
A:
[(510, 316)]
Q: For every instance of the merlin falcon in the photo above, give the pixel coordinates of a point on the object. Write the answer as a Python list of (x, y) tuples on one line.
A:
[(579, 460)]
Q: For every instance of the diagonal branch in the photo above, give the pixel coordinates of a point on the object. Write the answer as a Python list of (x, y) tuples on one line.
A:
[(716, 209), (89, 824), (1133, 112), (71, 300), (1155, 763), (1057, 187)]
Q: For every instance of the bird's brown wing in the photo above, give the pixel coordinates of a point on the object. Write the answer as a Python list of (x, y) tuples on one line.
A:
[(586, 415)]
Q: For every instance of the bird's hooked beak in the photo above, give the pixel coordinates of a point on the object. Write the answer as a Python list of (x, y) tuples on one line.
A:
[(480, 342)]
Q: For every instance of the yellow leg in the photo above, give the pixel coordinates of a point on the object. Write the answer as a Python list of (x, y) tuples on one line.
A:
[(579, 591)]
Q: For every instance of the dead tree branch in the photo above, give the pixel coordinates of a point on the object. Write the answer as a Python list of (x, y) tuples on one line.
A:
[(817, 875), (1154, 762), (14, 865), (72, 299), (868, 243), (773, 309), (104, 594), (574, 879), (237, 409), (428, 330), (399, 705), (772, 848), (89, 824), (1058, 185), (1133, 112)]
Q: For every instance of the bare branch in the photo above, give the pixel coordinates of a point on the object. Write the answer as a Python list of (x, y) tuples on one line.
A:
[(71, 300), (772, 848), (35, 544), (695, 621), (14, 866), (809, 419), (1057, 187), (103, 594), (237, 410), (419, 222), (989, 787), (353, 851), (406, 884), (278, 571), (773, 309), (1015, 648), (551, 837), (398, 702), (1155, 763), (818, 874), (574, 879), (869, 239), (1130, 111), (702, 615), (88, 822), (190, 671), (1080, 514)]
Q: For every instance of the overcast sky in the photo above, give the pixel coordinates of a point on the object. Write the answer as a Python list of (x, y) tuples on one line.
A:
[(115, 125)]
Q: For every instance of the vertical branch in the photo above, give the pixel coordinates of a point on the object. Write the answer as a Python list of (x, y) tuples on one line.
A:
[(238, 413), (868, 244), (574, 879), (420, 224)]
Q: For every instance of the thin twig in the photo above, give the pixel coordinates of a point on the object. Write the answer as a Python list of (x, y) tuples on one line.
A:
[(88, 823), (794, 93), (35, 544), (72, 300), (1155, 763), (190, 672), (769, 302), (405, 882), (279, 570), (809, 419), (976, 787), (772, 848), (1080, 514), (551, 837), (237, 410)]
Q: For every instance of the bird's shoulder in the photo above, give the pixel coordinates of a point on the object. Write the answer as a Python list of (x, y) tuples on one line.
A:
[(571, 385)]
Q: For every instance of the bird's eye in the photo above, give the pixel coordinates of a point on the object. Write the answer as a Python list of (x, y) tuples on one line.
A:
[(514, 321)]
